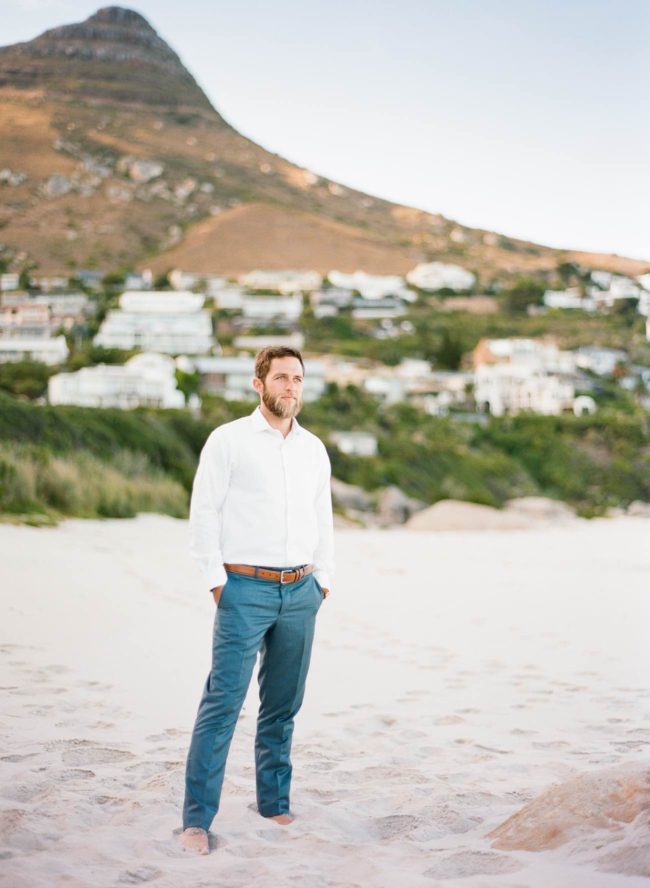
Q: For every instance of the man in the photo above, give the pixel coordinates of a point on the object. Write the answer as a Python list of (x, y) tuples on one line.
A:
[(261, 530)]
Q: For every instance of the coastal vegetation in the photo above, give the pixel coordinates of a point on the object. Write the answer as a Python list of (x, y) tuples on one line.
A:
[(64, 461)]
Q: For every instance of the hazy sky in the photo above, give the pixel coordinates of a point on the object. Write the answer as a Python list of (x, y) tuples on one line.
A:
[(527, 117)]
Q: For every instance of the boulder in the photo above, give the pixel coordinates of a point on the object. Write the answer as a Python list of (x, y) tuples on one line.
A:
[(458, 515), (541, 508), (395, 507), (639, 509), (347, 496), (584, 806)]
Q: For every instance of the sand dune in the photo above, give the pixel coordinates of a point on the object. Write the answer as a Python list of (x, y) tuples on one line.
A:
[(457, 678)]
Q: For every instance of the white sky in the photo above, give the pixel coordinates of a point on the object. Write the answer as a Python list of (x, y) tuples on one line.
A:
[(528, 118)]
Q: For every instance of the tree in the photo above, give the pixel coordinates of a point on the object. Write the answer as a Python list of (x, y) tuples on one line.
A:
[(525, 292)]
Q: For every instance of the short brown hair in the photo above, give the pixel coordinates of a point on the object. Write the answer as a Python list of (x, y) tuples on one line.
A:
[(264, 357)]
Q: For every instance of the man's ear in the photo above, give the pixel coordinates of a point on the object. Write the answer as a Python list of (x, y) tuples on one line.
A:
[(258, 385)]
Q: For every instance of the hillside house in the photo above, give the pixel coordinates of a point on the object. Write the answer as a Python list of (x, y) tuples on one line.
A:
[(139, 281), (43, 349), (146, 380), (66, 309), (355, 443), (539, 354), (377, 309), (434, 276), (372, 286), (284, 282), (9, 281), (255, 343), (159, 321), (25, 319), (569, 299), (259, 309), (601, 361), (507, 388)]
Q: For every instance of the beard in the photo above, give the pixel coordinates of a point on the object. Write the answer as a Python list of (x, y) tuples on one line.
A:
[(279, 407)]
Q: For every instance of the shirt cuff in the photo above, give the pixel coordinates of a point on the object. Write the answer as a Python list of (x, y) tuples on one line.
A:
[(216, 576), (324, 579)]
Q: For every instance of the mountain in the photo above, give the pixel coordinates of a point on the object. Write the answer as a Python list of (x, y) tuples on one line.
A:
[(112, 156)]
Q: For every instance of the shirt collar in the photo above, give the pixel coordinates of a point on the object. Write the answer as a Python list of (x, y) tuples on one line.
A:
[(261, 425)]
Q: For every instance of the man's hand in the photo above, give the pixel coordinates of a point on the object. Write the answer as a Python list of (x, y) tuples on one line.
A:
[(326, 592), (216, 593)]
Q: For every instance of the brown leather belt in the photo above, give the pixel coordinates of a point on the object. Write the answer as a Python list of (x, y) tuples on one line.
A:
[(291, 575)]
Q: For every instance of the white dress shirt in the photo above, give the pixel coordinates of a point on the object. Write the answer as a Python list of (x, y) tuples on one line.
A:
[(260, 498)]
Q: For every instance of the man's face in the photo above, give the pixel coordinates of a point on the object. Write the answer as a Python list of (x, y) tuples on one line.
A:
[(281, 391)]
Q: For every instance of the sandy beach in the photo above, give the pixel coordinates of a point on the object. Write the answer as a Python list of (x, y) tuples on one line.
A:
[(456, 677)]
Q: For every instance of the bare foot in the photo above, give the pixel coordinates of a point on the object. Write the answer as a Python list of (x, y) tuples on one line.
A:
[(282, 819), (195, 839)]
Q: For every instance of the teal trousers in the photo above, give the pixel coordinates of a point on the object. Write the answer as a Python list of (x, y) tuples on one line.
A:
[(277, 621)]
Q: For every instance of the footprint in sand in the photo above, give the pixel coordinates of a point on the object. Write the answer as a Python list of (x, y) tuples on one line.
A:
[(138, 876), (95, 755), (17, 758), (472, 863)]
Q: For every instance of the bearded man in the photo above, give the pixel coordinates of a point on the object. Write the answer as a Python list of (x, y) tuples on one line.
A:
[(261, 530)]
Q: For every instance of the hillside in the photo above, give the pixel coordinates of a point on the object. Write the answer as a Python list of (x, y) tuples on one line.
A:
[(113, 156)]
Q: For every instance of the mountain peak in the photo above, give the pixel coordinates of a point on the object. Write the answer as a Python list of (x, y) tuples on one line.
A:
[(115, 54), (119, 15)]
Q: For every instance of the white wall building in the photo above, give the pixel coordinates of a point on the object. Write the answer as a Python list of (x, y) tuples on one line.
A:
[(376, 309), (47, 351), (537, 354), (9, 281), (25, 319), (282, 281), (372, 286), (355, 443), (510, 388), (146, 380), (158, 321), (255, 343), (231, 297), (272, 308), (602, 361), (569, 299), (438, 275)]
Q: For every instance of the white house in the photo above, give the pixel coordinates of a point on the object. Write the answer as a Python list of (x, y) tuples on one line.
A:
[(375, 309), (231, 297), (66, 309), (9, 281), (602, 361), (255, 343), (282, 281), (139, 281), (513, 387), (272, 308), (158, 321), (644, 280), (438, 275), (146, 380), (372, 286), (231, 377), (385, 386), (537, 354), (355, 443), (47, 351), (25, 319), (571, 298)]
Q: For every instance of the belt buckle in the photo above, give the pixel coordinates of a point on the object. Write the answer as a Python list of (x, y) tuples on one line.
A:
[(284, 582)]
